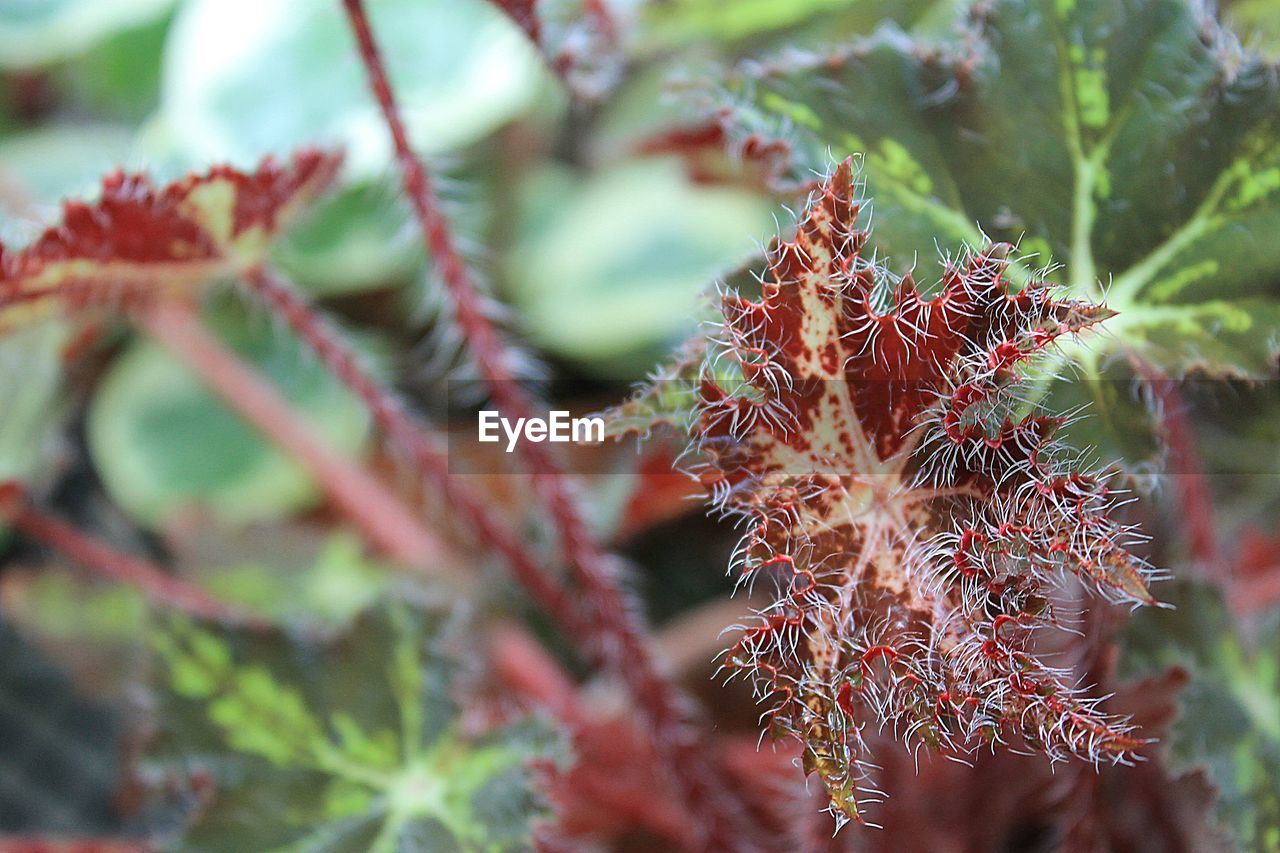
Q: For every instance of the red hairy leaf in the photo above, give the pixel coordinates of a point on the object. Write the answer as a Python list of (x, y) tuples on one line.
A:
[(138, 240), (920, 528)]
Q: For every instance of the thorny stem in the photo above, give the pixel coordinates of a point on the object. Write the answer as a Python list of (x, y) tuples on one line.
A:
[(160, 587), (427, 457), (621, 642), (386, 523)]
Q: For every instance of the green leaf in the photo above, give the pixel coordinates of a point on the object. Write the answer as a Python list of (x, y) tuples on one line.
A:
[(609, 272), (359, 239), (162, 442), (1258, 22), (329, 583), (1132, 142), (120, 76), (31, 388), (354, 746), (38, 32), (1230, 717), (460, 69), (759, 22), (64, 160)]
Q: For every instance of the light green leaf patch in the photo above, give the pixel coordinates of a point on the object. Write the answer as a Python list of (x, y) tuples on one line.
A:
[(38, 32), (356, 240), (610, 271), (163, 442), (353, 746), (755, 23), (460, 68)]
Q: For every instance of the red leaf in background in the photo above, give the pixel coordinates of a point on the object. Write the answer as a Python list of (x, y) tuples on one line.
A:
[(712, 156), (1025, 804), (1254, 584), (660, 494), (138, 240), (922, 529)]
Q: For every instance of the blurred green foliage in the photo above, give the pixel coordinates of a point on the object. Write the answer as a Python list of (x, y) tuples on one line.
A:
[(363, 754), (606, 257), (163, 443)]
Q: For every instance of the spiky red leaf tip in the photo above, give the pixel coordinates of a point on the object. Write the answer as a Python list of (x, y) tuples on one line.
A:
[(923, 533), (137, 241)]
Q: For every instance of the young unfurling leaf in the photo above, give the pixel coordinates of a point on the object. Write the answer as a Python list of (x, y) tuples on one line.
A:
[(137, 240), (921, 530)]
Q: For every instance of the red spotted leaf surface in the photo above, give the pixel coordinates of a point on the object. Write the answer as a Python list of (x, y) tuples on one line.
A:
[(922, 528), (137, 240)]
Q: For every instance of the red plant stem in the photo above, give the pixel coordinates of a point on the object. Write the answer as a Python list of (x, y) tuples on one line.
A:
[(387, 524), (621, 642), (160, 587), (402, 431)]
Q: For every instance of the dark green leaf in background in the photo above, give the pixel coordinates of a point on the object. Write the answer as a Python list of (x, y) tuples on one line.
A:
[(363, 753), (1133, 142)]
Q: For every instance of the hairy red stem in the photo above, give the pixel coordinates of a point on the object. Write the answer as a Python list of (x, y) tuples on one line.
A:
[(160, 587), (622, 643), (428, 458), (386, 523)]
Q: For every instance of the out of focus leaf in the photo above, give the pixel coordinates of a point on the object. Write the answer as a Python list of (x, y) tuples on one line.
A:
[(162, 442), (351, 747), (37, 32), (61, 754), (1230, 717), (94, 630), (1258, 22), (30, 386), (62, 161), (1134, 142), (138, 240), (610, 272), (760, 23), (359, 239), (120, 76), (331, 586), (245, 78)]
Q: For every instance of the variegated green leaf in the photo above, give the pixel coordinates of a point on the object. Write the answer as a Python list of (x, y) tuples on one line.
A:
[(353, 746), (1133, 142)]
